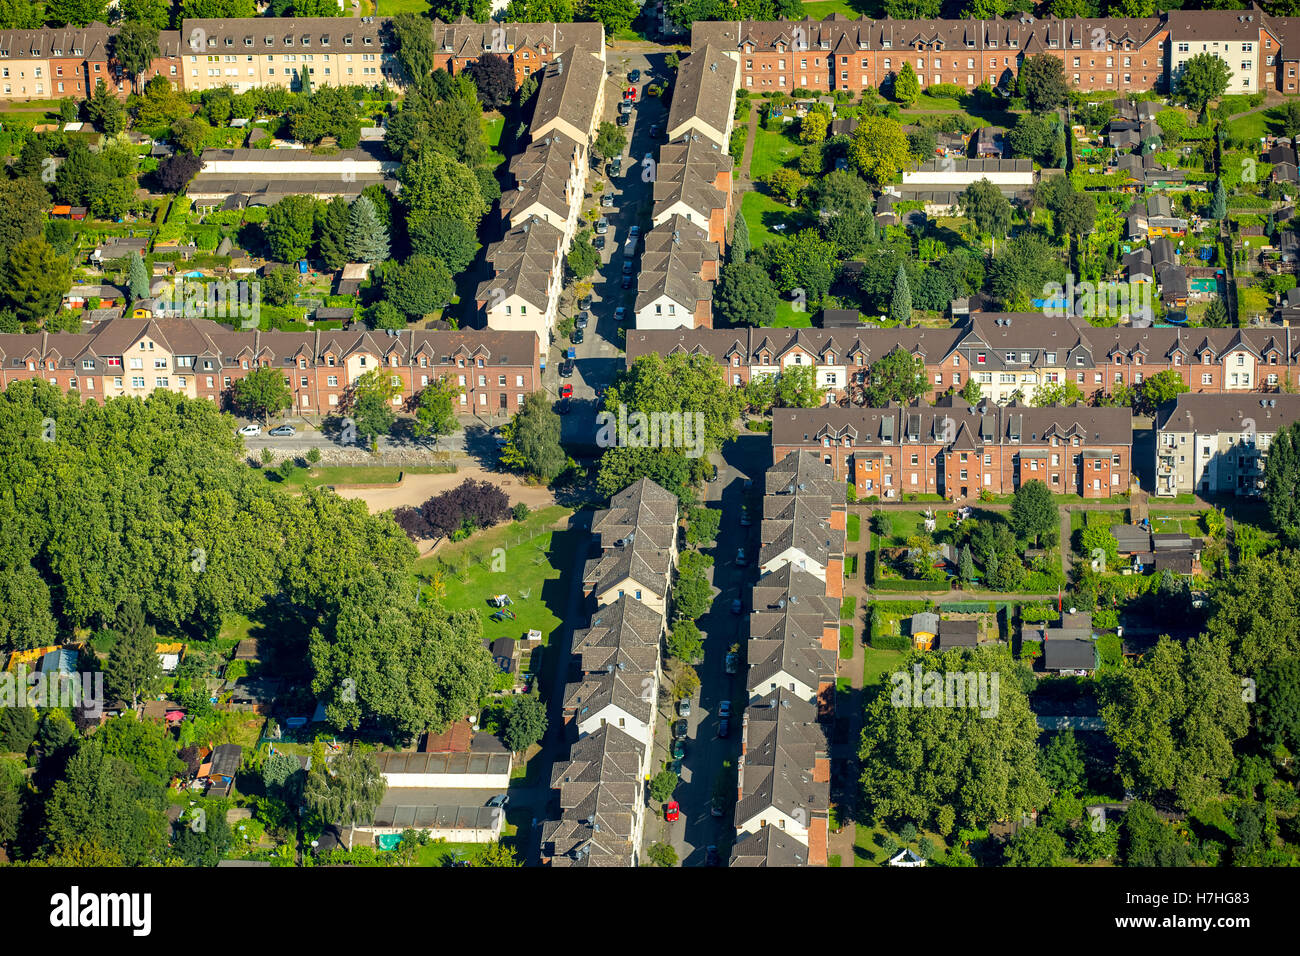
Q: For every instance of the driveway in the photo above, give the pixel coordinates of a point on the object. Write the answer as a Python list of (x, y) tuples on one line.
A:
[(706, 752)]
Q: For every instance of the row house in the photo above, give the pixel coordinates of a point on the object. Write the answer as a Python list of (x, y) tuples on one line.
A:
[(202, 359), (56, 62), (1218, 444), (804, 520), (527, 47), (1008, 354), (549, 177), (610, 708), (602, 799), (795, 651), (1098, 54), (693, 180), (675, 285), (704, 96), (783, 784), (637, 540), (527, 276), (249, 53), (956, 449), (570, 96)]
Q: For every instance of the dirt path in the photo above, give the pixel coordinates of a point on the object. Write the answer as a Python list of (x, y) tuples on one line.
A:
[(416, 489)]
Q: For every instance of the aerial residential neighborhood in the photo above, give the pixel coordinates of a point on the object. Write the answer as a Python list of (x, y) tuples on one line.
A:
[(811, 433)]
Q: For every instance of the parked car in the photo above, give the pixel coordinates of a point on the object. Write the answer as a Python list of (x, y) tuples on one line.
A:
[(625, 107), (566, 391), (499, 438), (626, 283), (584, 302), (741, 560), (599, 243), (620, 313), (623, 120), (563, 407), (602, 226), (676, 766), (566, 369), (581, 321), (724, 708), (672, 811), (733, 662), (680, 730), (713, 474), (745, 519), (684, 707), (749, 484), (628, 266), (711, 855), (654, 130), (634, 232), (679, 749), (577, 336), (724, 727), (500, 800), (649, 156), (283, 431), (249, 430), (715, 808), (607, 200), (633, 76), (736, 606)]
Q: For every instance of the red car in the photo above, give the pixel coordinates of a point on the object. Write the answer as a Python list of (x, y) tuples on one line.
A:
[(630, 94), (566, 391), (672, 812)]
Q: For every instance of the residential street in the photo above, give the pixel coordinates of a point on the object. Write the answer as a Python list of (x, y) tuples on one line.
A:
[(706, 752)]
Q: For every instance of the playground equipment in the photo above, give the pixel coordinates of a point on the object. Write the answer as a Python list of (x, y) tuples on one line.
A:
[(500, 600)]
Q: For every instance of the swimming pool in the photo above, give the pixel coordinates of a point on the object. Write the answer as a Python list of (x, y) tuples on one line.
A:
[(1205, 285)]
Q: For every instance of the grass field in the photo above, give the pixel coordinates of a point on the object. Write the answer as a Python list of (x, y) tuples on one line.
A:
[(878, 664), (848, 608), (788, 317), (772, 150), (761, 212), (342, 475), (906, 524), (846, 641), (390, 8), (855, 527), (821, 9), (528, 569)]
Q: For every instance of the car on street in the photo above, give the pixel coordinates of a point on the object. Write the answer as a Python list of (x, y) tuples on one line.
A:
[(715, 808), (563, 407), (566, 391), (623, 120), (724, 708), (679, 749), (745, 519), (649, 156), (672, 811), (620, 313), (599, 242), (711, 855), (499, 438), (724, 727), (654, 130), (566, 369), (577, 336), (629, 94), (626, 283), (680, 729), (283, 431), (602, 226), (733, 661), (628, 266), (749, 484), (634, 232), (633, 76), (249, 430), (676, 766), (741, 560), (581, 321), (615, 165), (584, 302), (684, 707), (736, 606), (625, 107), (607, 199), (500, 800)]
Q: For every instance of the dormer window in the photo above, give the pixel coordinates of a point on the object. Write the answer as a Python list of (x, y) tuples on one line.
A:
[(288, 41)]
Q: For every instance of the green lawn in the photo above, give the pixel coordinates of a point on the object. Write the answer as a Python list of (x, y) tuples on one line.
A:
[(342, 475), (846, 641), (855, 527), (391, 8), (848, 608), (528, 568), (492, 129), (788, 317), (821, 9), (772, 149), (878, 664), (907, 524), (867, 852), (761, 212), (1188, 523), (1256, 125)]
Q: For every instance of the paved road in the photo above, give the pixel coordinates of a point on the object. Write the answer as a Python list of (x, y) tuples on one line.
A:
[(599, 356), (706, 752)]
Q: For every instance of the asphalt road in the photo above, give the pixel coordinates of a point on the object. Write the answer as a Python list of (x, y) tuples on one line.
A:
[(706, 752), (599, 355)]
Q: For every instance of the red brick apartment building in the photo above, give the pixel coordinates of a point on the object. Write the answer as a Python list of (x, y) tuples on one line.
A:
[(527, 47), (1005, 353), (202, 359), (957, 450)]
